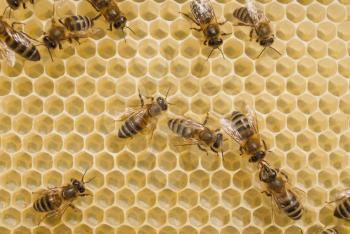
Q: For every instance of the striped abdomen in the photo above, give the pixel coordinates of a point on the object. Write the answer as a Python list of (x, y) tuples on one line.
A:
[(28, 52), (241, 124), (342, 211), (133, 125), (292, 207), (330, 231), (178, 126), (78, 23), (48, 202), (243, 15)]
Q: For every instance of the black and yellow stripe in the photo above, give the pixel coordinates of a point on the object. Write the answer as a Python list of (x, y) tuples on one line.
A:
[(292, 207), (131, 127), (77, 23), (330, 231), (243, 15), (342, 211), (28, 52), (178, 127), (241, 124), (46, 203)]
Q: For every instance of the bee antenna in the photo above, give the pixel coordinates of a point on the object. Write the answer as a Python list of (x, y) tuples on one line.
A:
[(130, 29), (210, 54), (89, 180), (48, 49), (82, 178), (262, 51), (275, 50), (223, 56), (124, 35), (167, 92)]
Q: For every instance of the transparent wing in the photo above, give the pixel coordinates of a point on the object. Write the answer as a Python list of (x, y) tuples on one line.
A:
[(130, 112), (7, 54), (202, 11), (18, 37), (252, 119), (83, 34), (231, 131), (256, 14), (192, 124)]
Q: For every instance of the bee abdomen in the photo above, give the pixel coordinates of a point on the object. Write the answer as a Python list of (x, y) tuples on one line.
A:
[(78, 23), (28, 52), (46, 204), (330, 231), (177, 126), (342, 211), (294, 210), (131, 127), (242, 14)]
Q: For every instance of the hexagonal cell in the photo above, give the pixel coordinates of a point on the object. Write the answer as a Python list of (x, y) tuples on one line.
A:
[(74, 105), (241, 217), (156, 180), (114, 216), (104, 198), (11, 104), (146, 198), (10, 217), (22, 86), (156, 217), (22, 161), (73, 143), (209, 198), (307, 178), (125, 198), (5, 123), (83, 228), (22, 123), (198, 216), (177, 216), (11, 143)]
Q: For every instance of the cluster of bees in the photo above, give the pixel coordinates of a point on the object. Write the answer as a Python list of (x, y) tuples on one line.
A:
[(242, 128)]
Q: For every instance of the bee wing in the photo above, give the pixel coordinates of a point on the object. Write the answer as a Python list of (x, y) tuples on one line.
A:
[(252, 119), (192, 124), (130, 112), (202, 11), (257, 15), (232, 131), (18, 37), (7, 54), (84, 34)]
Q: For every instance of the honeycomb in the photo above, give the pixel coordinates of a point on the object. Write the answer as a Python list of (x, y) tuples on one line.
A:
[(59, 118)]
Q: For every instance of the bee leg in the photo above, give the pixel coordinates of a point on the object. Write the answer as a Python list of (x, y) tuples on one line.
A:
[(24, 6), (60, 45), (61, 22), (244, 24), (96, 17), (225, 34), (224, 22), (284, 174), (110, 27), (241, 150), (206, 119), (202, 149), (46, 216), (189, 17), (141, 99), (205, 42), (251, 34), (265, 146), (197, 29)]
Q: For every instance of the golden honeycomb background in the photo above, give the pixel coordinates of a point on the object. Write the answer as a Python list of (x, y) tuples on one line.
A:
[(59, 118)]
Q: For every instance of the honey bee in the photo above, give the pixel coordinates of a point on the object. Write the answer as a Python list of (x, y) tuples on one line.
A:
[(55, 201), (203, 16), (255, 18), (138, 119), (68, 30), (278, 188), (330, 231), (197, 134), (111, 12), (245, 131), (342, 209), (12, 41), (15, 4)]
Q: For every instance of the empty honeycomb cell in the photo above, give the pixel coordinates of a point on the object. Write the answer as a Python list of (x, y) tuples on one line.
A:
[(87, 49), (137, 67), (74, 105), (125, 198), (94, 143), (105, 124), (295, 159), (146, 198), (82, 228), (286, 103), (148, 48), (327, 141), (306, 31), (73, 143), (262, 216), (31, 180), (53, 105), (317, 122), (326, 31), (242, 179), (75, 66), (158, 67), (43, 86), (43, 124), (64, 87), (345, 141), (306, 178), (95, 67), (22, 124), (241, 217), (336, 49), (209, 198), (252, 199), (149, 10), (11, 105), (22, 161), (64, 124), (4, 199), (125, 161), (274, 85), (5, 123), (295, 12), (316, 12), (5, 86), (343, 31), (317, 196), (210, 86), (11, 180), (104, 161), (84, 124), (232, 48), (285, 67), (343, 67), (72, 217), (306, 140), (285, 140), (169, 48), (61, 228), (146, 161), (336, 12), (285, 30), (338, 123), (317, 49), (200, 67), (327, 178), (115, 180), (32, 143), (296, 121), (328, 104), (338, 159), (114, 216), (198, 216), (5, 162), (344, 104), (307, 103), (264, 67), (94, 215), (177, 217), (63, 161), (52, 178), (22, 86), (159, 29), (295, 49), (337, 86), (11, 217), (11, 143), (275, 122), (136, 180), (254, 85), (317, 86), (306, 67), (41, 230), (243, 67)]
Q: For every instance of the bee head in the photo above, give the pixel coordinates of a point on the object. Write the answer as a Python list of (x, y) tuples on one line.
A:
[(215, 42), (267, 174), (266, 42), (258, 156), (162, 103), (78, 185), (49, 43), (212, 30), (14, 4), (218, 141), (120, 22)]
